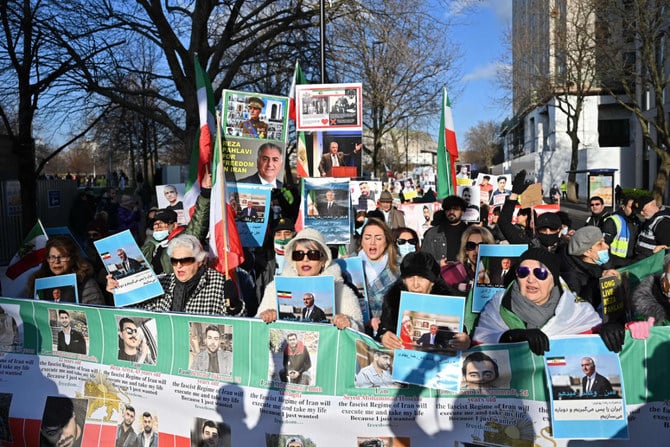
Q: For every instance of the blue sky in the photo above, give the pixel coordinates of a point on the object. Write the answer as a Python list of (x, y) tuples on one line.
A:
[(479, 31)]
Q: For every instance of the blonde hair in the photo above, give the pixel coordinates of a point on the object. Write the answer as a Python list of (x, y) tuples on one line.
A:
[(487, 238)]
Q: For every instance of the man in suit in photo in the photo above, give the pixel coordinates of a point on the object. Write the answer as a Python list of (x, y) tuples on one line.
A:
[(336, 158), (69, 340), (432, 339), (312, 312), (214, 359), (594, 384), (502, 274), (127, 265), (269, 165), (249, 214), (329, 207)]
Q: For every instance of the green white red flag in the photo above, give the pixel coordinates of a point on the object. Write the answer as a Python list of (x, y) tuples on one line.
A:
[(301, 161), (447, 151), (201, 156), (30, 256)]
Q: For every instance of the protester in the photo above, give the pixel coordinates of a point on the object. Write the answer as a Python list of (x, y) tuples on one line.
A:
[(651, 302), (598, 212), (192, 287), (620, 232), (380, 264), (419, 273), (64, 257), (654, 233), (460, 275), (406, 240), (586, 261), (393, 217), (444, 238), (308, 255), (270, 261), (539, 305)]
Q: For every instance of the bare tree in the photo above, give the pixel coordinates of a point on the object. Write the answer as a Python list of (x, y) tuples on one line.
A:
[(400, 52), (482, 144), (637, 74)]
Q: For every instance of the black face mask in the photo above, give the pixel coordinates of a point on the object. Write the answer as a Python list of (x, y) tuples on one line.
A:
[(548, 240)]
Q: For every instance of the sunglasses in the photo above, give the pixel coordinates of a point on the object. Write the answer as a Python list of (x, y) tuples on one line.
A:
[(469, 245), (130, 331), (412, 241), (183, 261), (312, 255), (539, 272)]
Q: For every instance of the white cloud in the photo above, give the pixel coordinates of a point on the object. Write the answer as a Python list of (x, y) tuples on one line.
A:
[(501, 8), (484, 72)]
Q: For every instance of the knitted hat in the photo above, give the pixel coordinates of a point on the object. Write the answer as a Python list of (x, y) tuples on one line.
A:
[(167, 216), (550, 260), (583, 239), (548, 220), (311, 235), (420, 263)]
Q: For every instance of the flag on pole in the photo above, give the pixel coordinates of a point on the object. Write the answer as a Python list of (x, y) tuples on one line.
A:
[(224, 241), (389, 172), (30, 256), (301, 160), (201, 156), (447, 151), (300, 219)]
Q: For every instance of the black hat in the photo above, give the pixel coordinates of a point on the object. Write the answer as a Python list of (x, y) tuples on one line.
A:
[(548, 220), (284, 223), (166, 215), (542, 255), (642, 201), (420, 263)]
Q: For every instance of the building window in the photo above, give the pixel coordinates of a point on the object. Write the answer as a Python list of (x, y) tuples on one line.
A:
[(612, 133)]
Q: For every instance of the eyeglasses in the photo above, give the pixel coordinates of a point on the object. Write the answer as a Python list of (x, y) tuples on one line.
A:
[(539, 272), (469, 245), (53, 259), (183, 261), (312, 255), (412, 241), (130, 331), (595, 204)]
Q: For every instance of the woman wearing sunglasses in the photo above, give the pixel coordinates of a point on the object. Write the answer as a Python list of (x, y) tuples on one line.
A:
[(308, 255), (64, 257), (407, 241), (460, 275), (539, 305), (192, 287)]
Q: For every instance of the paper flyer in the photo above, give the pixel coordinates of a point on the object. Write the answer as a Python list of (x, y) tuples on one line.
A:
[(309, 299), (353, 273), (59, 288), (251, 204), (496, 269), (329, 107), (171, 197), (326, 207)]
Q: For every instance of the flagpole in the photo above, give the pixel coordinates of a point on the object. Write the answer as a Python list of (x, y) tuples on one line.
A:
[(221, 190)]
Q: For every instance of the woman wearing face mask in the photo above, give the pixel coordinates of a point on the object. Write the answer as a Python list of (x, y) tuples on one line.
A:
[(419, 273), (586, 261), (651, 302), (308, 255), (460, 275), (407, 241)]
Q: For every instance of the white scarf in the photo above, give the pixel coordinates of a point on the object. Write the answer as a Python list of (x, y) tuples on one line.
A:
[(373, 268)]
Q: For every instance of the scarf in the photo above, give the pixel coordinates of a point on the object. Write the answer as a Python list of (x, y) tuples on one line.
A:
[(379, 278), (184, 290), (535, 316)]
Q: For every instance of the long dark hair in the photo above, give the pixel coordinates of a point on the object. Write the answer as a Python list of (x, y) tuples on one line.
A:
[(78, 265)]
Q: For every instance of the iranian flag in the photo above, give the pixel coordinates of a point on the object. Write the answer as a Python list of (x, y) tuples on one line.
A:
[(447, 151), (201, 155), (301, 160), (389, 172), (224, 240), (30, 256)]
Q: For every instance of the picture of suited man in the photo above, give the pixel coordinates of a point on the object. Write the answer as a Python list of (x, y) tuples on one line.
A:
[(214, 359), (501, 273), (330, 208), (269, 166), (127, 265), (69, 340), (594, 384), (432, 339), (249, 214), (311, 312), (336, 158)]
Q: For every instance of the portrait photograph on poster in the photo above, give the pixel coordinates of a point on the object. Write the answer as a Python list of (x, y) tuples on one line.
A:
[(72, 330), (293, 356), (211, 348)]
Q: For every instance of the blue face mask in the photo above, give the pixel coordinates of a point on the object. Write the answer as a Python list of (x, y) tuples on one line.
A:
[(405, 249), (160, 235), (603, 257)]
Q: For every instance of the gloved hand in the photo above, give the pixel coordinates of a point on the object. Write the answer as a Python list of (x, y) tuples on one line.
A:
[(234, 305), (537, 340), (519, 182), (613, 334), (639, 330)]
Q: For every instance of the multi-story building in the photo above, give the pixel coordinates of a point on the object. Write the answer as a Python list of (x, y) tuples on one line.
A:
[(557, 47)]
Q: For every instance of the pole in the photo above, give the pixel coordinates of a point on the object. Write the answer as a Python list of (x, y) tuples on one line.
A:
[(322, 38)]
